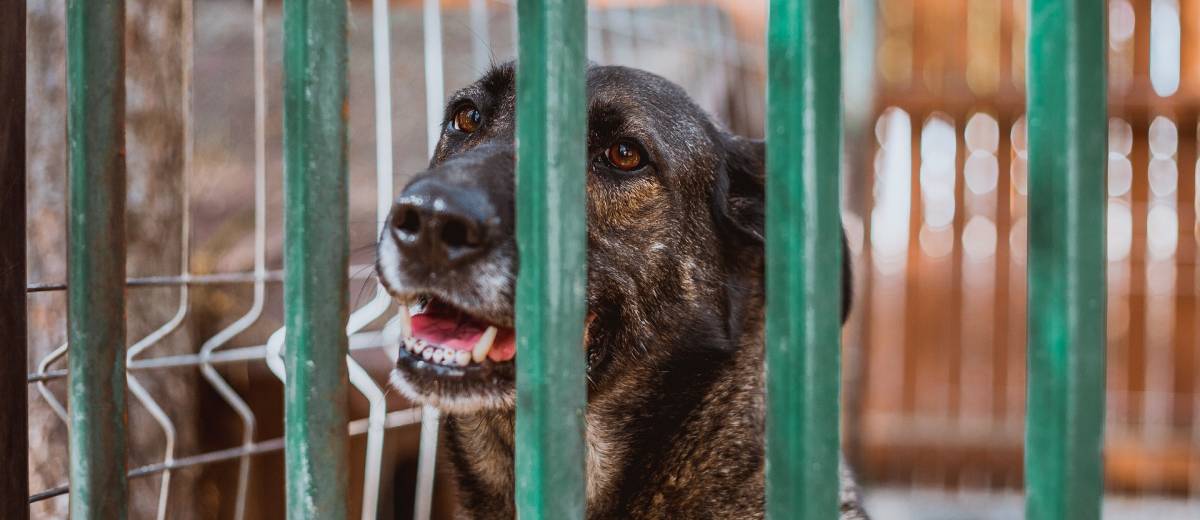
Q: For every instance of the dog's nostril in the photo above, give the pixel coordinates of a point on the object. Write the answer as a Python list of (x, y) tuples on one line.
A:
[(455, 233), (408, 221)]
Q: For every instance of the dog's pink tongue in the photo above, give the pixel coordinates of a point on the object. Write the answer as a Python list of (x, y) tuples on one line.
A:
[(505, 346), (447, 332), (455, 334)]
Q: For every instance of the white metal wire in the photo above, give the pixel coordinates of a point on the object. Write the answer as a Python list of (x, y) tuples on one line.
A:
[(135, 387), (378, 306), (274, 357), (224, 389), (43, 365), (431, 13), (395, 419)]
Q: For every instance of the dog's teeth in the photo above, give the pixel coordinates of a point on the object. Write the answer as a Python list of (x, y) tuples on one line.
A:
[(438, 355), (462, 358), (480, 352), (405, 316), (427, 354)]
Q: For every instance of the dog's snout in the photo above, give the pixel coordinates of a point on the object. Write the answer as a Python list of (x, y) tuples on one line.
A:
[(441, 225)]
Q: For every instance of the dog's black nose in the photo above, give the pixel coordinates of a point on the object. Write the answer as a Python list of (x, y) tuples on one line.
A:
[(442, 225)]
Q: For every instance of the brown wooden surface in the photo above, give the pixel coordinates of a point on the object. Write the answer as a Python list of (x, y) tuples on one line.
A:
[(14, 434), (921, 429)]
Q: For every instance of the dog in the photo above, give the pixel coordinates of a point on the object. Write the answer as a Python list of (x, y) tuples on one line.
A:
[(674, 330)]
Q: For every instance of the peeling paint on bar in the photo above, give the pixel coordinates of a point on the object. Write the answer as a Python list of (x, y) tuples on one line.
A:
[(316, 253), (96, 257)]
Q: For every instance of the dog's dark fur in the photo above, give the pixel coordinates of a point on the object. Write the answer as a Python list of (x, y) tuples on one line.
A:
[(675, 298)]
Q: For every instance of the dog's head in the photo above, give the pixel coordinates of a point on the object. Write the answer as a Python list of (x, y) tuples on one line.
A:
[(675, 216)]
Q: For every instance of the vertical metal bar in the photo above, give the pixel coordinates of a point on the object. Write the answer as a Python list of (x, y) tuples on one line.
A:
[(551, 240), (803, 258), (96, 257), (1067, 161), (316, 256), (14, 413)]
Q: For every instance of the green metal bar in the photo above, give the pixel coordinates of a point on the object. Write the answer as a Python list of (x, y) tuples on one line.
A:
[(803, 261), (14, 358), (551, 240), (1067, 159), (96, 257), (316, 256)]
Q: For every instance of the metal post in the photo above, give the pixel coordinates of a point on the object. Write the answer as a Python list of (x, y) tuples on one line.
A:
[(803, 262), (1067, 160), (96, 257), (14, 413), (551, 239), (316, 256)]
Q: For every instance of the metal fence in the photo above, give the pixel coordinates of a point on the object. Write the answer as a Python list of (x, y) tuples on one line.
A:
[(1068, 132), (945, 204)]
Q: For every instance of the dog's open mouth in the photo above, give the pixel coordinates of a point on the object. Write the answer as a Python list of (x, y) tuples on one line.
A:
[(454, 359), (447, 336)]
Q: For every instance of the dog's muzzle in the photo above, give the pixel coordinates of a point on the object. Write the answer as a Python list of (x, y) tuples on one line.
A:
[(446, 255)]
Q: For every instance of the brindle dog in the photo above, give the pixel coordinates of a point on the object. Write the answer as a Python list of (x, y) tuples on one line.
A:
[(674, 334)]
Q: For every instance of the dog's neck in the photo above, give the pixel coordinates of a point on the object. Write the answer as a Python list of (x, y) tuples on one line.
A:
[(629, 426)]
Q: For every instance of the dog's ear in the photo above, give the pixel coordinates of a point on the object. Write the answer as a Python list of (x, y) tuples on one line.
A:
[(739, 204)]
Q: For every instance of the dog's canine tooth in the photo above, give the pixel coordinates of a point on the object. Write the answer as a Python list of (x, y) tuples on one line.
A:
[(405, 315), (484, 345)]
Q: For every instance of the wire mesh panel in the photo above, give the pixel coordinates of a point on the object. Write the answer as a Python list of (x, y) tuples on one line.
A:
[(212, 353), (226, 290)]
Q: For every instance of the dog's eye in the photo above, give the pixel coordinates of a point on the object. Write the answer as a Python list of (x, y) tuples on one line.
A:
[(625, 156), (467, 119)]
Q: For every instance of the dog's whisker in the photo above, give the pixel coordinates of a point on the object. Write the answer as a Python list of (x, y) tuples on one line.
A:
[(365, 247), (358, 272), (361, 289)]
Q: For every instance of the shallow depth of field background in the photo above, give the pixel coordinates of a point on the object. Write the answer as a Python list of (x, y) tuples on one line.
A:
[(934, 199)]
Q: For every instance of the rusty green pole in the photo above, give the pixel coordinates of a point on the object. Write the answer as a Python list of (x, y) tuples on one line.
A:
[(803, 262), (96, 257), (1068, 154), (551, 240), (316, 256)]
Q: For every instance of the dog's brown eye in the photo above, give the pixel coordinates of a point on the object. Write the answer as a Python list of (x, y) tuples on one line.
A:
[(625, 156), (467, 119)]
